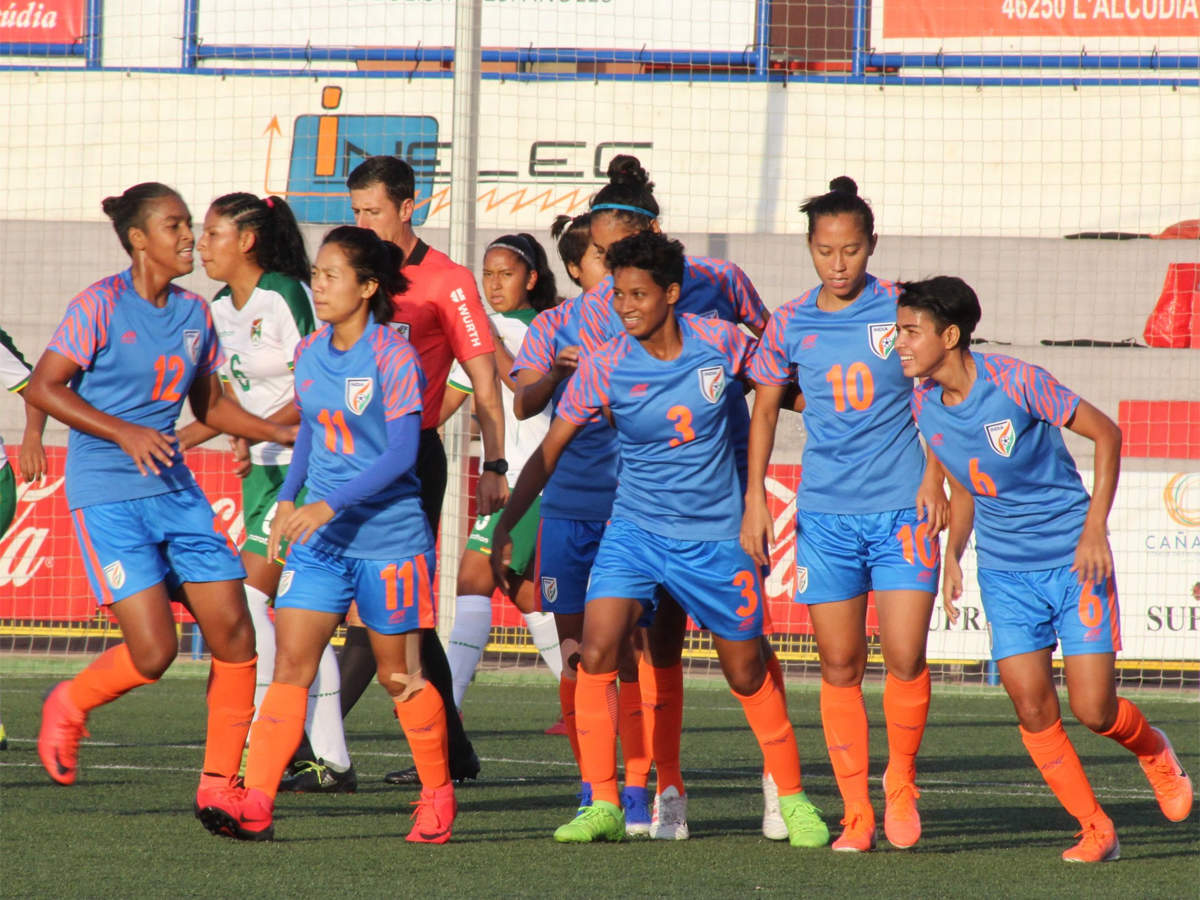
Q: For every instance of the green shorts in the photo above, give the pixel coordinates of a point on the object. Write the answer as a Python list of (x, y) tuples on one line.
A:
[(8, 497), (524, 537), (260, 492)]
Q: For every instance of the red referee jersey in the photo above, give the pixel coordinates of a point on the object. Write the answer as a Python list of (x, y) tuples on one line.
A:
[(442, 316)]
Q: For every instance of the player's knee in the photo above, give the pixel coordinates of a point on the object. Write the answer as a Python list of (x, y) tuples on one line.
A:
[(154, 662), (746, 680), (595, 659), (906, 669), (1035, 714), (843, 672), (1097, 716)]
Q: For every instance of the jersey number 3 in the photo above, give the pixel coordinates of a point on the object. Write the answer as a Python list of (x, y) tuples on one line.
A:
[(682, 417)]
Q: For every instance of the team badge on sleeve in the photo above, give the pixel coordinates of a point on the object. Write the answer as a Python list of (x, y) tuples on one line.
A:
[(549, 589), (358, 394), (1001, 436), (881, 337), (400, 327), (114, 572), (712, 382), (191, 344)]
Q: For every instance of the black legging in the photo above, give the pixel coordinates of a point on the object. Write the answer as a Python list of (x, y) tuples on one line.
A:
[(357, 664)]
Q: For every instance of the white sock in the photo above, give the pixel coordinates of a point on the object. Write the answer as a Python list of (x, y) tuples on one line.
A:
[(323, 722), (264, 642), (545, 637), (472, 623)]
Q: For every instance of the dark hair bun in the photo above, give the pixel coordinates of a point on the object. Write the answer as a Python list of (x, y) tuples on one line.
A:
[(112, 207), (625, 169), (844, 184)]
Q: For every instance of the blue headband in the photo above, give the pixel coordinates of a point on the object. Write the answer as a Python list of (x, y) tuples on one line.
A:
[(526, 255), (599, 207)]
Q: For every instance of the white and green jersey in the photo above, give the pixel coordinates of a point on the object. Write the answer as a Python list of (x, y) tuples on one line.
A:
[(259, 341), (14, 375), (521, 436)]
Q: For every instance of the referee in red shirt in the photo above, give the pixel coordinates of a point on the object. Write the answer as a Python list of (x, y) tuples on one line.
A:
[(443, 318)]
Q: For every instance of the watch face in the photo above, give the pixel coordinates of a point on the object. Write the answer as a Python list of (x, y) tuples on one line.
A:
[(499, 466)]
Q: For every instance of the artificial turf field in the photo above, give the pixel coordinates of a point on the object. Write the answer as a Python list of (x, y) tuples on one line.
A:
[(991, 827)]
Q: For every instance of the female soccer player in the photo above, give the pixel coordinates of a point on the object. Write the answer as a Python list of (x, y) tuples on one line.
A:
[(711, 288), (517, 284), (254, 246), (867, 510), (575, 506), (675, 521), (129, 350), (360, 536), (1045, 565)]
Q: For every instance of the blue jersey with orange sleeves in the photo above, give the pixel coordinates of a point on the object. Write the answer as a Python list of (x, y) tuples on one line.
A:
[(1003, 443), (678, 475), (347, 398), (711, 289), (585, 479), (862, 454), (137, 362)]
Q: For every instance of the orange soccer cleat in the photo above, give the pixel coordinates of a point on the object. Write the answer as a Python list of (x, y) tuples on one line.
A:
[(62, 729), (434, 815), (859, 833), (901, 821), (1172, 787), (1098, 843)]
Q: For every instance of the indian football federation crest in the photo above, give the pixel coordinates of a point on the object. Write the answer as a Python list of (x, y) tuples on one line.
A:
[(191, 344), (881, 337), (285, 581), (712, 382), (401, 327), (358, 394), (256, 332), (1002, 437), (801, 579), (114, 573), (549, 589)]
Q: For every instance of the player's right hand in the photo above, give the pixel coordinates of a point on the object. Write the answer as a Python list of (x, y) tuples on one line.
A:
[(952, 587), (566, 362), (501, 557), (147, 446), (758, 531), (283, 512), (241, 456), (32, 458)]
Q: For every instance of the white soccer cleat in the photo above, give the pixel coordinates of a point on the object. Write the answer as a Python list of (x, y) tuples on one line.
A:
[(773, 827), (669, 821)]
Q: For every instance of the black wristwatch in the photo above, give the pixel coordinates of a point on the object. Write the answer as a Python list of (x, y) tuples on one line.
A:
[(499, 466)]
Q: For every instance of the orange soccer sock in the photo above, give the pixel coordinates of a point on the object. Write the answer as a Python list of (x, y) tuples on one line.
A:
[(596, 717), (423, 718), (844, 718), (1059, 764), (768, 718), (106, 678), (906, 710), (230, 712), (566, 700), (775, 672), (275, 735), (662, 720), (1132, 731), (633, 735)]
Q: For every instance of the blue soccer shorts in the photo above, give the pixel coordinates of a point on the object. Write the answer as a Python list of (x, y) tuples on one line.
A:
[(716, 582), (394, 596), (565, 551), (1029, 611), (130, 545), (843, 556)]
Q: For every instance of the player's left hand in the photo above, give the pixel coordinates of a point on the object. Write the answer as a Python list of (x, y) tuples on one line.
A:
[(933, 507), (493, 494), (952, 587), (1093, 556), (303, 521), (501, 557), (285, 434), (32, 458)]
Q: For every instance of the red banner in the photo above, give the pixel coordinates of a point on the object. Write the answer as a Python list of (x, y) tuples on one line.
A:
[(42, 21), (1040, 18), (42, 576)]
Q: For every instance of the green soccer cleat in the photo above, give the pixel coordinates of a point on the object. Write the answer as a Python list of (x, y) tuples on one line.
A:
[(602, 821), (804, 825)]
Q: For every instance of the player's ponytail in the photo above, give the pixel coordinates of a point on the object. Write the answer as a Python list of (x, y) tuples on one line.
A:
[(532, 255), (841, 198), (372, 259), (574, 236), (128, 210), (278, 244), (629, 194)]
